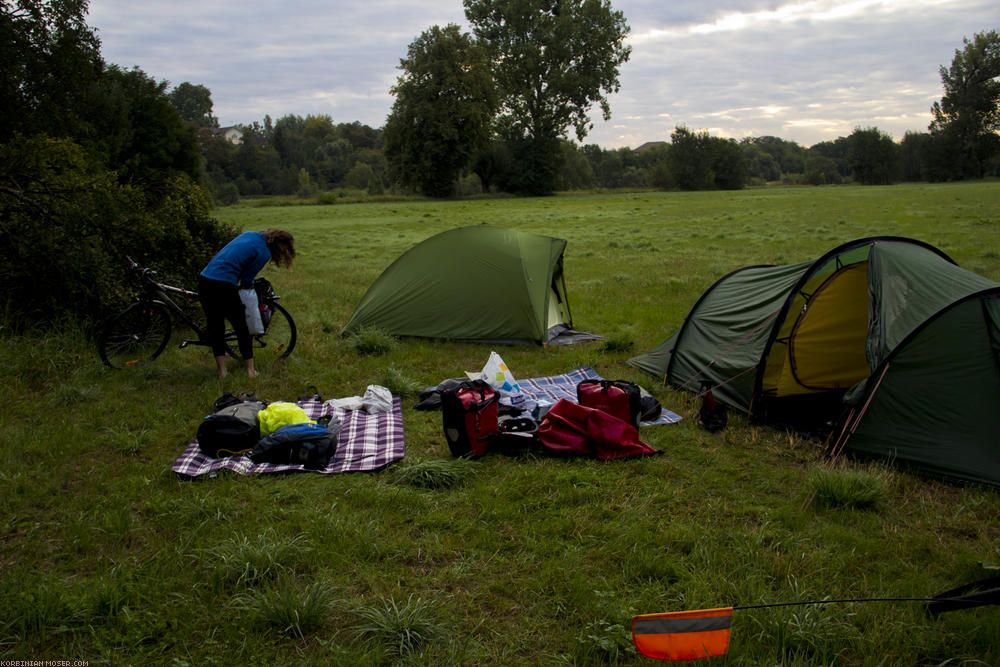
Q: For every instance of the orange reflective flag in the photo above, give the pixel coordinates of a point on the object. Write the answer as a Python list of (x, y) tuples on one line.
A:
[(683, 635)]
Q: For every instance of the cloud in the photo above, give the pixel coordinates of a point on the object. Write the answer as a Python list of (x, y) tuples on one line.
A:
[(804, 70)]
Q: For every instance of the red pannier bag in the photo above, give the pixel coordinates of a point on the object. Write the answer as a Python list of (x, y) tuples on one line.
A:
[(571, 428), (469, 415), (619, 398)]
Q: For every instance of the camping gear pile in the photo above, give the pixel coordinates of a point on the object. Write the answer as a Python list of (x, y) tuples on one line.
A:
[(353, 434), (601, 421), (269, 433), (883, 344)]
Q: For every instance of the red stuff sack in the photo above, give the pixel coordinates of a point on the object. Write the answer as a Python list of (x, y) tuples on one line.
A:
[(618, 398), (569, 428), (469, 415)]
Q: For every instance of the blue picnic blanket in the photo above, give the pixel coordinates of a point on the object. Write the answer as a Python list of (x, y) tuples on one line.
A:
[(367, 442), (550, 389)]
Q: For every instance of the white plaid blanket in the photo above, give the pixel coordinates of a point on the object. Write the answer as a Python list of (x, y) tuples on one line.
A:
[(554, 387), (366, 443)]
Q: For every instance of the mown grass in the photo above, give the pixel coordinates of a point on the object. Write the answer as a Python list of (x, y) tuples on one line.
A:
[(106, 556)]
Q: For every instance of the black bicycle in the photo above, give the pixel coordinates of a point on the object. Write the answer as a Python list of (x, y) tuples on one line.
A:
[(142, 331)]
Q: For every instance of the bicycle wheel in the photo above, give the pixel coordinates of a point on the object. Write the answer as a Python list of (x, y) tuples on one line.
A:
[(279, 339), (276, 342), (136, 335)]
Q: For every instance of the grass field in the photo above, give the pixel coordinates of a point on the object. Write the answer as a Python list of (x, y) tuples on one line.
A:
[(107, 557)]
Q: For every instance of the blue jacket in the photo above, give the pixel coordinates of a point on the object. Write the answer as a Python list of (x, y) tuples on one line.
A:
[(240, 261)]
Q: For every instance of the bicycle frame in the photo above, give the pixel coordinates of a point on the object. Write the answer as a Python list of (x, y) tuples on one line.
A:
[(159, 293)]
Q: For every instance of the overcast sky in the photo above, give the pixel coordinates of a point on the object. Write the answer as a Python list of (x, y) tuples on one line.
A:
[(803, 70)]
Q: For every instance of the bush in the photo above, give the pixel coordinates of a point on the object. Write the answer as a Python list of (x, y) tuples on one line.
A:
[(68, 223)]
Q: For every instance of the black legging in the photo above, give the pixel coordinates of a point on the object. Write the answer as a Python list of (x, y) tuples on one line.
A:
[(221, 301)]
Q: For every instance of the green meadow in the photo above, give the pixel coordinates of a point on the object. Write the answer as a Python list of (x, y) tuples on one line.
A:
[(106, 556)]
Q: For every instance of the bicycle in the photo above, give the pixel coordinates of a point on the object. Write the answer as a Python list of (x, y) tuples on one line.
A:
[(140, 333)]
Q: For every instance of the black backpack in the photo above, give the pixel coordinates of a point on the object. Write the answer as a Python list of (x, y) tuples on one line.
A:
[(231, 430), (308, 444)]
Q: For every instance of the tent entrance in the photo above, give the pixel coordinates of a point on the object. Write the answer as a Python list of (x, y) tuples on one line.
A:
[(820, 351), (822, 348), (826, 350)]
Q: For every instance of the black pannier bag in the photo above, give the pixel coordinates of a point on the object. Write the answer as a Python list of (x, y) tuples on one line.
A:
[(469, 416)]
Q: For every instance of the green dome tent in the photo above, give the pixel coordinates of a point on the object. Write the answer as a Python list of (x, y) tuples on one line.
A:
[(884, 342), (477, 283)]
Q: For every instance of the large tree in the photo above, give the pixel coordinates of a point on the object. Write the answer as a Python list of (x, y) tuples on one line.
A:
[(440, 120), (551, 60), (968, 115), (50, 59)]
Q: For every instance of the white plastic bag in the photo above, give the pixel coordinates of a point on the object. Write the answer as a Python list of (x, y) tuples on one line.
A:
[(497, 375), (252, 309), (376, 399)]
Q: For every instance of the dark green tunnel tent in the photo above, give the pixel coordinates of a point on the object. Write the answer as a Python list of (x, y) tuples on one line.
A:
[(478, 283), (883, 342)]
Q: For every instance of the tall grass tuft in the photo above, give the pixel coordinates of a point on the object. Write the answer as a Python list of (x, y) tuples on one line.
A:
[(398, 383), (372, 341), (846, 488), (242, 559), (286, 609), (35, 608), (436, 474), (398, 630)]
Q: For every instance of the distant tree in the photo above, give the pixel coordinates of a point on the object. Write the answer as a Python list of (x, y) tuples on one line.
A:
[(551, 60), (728, 164), (492, 165), (874, 156), (194, 104), (359, 135), (577, 173), (789, 155), (359, 176), (445, 100), (331, 161), (318, 130), (837, 151), (969, 112), (912, 150), (699, 161), (690, 160), (657, 162), (821, 170), (610, 169), (287, 139), (761, 164)]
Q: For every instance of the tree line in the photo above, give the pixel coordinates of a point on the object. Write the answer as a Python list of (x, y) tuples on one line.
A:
[(461, 124)]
